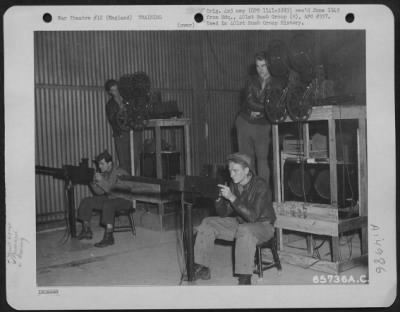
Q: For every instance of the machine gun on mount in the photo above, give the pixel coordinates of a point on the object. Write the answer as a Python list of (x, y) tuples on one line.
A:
[(81, 174), (72, 175)]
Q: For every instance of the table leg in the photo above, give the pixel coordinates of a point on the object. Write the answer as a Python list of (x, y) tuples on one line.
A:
[(364, 240), (189, 243), (335, 249), (280, 238), (310, 248), (71, 210), (188, 164), (158, 152)]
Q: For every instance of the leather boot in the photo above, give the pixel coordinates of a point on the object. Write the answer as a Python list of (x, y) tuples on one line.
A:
[(107, 240), (86, 233), (201, 272), (244, 279)]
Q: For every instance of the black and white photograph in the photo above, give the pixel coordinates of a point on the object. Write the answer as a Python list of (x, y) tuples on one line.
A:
[(228, 153)]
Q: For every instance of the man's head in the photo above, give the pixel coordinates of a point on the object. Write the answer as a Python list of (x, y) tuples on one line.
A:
[(104, 161), (111, 87), (240, 167), (261, 61)]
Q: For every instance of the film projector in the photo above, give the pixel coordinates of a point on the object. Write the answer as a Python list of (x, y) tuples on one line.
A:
[(295, 65)]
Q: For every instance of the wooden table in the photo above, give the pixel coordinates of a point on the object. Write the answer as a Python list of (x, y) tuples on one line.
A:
[(157, 124)]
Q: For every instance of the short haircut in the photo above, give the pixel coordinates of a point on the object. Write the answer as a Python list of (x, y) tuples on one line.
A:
[(104, 155), (241, 159), (239, 162), (261, 56), (109, 83)]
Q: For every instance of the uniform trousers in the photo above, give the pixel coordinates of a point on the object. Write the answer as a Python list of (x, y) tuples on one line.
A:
[(245, 235), (108, 206), (123, 148), (254, 140)]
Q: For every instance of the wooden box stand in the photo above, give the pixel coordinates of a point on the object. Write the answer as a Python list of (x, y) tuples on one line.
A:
[(323, 219), (161, 219)]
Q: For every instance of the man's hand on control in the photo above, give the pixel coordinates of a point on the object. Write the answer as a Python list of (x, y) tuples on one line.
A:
[(98, 177), (225, 192)]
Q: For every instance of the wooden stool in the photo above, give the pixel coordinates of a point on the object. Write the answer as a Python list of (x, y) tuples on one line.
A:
[(123, 228), (265, 265)]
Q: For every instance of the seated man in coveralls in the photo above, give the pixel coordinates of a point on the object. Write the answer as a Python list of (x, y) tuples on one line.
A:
[(102, 186), (246, 215)]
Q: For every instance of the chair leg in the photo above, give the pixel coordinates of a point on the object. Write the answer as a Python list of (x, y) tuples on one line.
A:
[(132, 222), (260, 262), (116, 223), (255, 271), (275, 255)]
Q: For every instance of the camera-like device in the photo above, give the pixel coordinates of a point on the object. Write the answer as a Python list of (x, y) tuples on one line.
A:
[(81, 174)]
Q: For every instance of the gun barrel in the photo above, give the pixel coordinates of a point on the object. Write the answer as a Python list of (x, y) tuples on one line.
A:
[(54, 172)]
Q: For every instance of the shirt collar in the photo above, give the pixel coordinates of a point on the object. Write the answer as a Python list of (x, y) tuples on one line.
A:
[(245, 186)]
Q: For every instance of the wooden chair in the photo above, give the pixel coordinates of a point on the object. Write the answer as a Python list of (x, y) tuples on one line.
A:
[(124, 228), (262, 265)]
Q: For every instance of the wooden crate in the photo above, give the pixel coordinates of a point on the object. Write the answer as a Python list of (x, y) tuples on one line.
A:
[(304, 210), (170, 220)]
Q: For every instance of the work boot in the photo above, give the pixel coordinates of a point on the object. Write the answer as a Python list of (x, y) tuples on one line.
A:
[(86, 233), (201, 272), (244, 279), (107, 240)]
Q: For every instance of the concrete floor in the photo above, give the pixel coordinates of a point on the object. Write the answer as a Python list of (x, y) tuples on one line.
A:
[(149, 258)]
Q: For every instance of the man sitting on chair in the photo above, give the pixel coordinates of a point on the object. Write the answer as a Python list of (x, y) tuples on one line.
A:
[(246, 216), (102, 185)]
